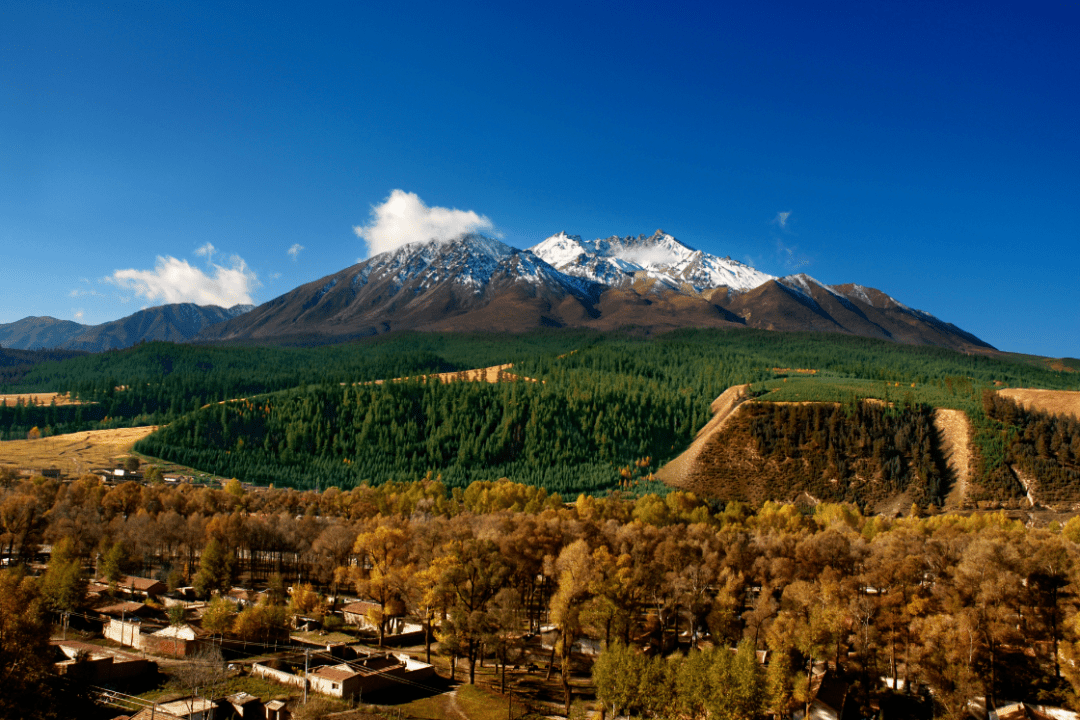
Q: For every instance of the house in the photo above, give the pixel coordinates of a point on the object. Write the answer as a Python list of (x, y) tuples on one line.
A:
[(1023, 711), (356, 613), (244, 597), (175, 640), (154, 713), (96, 590), (192, 707), (367, 672), (141, 587), (125, 609), (127, 632), (276, 710), (246, 706), (829, 693), (97, 664)]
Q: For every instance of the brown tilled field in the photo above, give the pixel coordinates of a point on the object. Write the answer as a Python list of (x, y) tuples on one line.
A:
[(73, 454), (37, 398), (1057, 402)]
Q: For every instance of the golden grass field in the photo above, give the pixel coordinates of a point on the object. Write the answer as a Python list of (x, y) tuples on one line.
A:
[(1057, 402), (73, 454), (488, 374), (40, 398)]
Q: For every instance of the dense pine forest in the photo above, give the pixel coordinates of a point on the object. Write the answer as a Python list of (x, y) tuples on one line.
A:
[(577, 412)]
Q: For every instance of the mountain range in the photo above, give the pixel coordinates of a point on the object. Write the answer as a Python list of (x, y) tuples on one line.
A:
[(178, 322), (650, 282), (475, 283)]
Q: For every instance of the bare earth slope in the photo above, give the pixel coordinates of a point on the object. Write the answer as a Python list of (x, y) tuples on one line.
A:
[(677, 472), (954, 432), (1055, 402)]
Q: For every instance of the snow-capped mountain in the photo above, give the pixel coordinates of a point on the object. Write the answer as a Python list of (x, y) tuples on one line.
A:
[(470, 283), (475, 283), (472, 261), (620, 261)]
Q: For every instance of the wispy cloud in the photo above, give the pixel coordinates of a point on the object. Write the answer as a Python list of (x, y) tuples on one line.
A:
[(78, 314), (790, 257), (207, 251), (403, 218), (83, 292), (177, 281), (782, 218), (294, 251)]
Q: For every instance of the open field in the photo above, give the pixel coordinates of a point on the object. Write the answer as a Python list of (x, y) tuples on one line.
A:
[(1055, 402), (75, 453), (45, 398)]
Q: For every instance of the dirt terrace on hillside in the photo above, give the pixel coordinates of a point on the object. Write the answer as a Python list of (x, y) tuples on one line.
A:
[(1056, 402), (73, 454)]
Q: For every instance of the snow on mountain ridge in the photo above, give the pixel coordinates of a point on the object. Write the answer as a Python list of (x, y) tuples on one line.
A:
[(471, 260), (619, 261)]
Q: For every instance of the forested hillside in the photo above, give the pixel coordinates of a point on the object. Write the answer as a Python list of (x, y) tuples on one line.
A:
[(1042, 446), (605, 411), (603, 416), (860, 452), (155, 383)]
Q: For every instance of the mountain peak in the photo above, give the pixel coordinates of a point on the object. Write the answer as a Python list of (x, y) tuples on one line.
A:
[(660, 257)]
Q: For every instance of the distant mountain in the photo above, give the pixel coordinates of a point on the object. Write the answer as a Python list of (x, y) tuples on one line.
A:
[(33, 333), (177, 323), (654, 283)]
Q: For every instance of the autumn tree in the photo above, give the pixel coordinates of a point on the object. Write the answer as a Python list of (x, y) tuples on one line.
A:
[(475, 575), (219, 615), (383, 571), (215, 569), (263, 622), (63, 585), (29, 689), (575, 573)]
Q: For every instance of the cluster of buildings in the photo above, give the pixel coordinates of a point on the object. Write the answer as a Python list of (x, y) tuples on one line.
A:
[(131, 614)]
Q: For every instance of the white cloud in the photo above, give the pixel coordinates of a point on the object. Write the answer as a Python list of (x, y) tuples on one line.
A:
[(781, 218), (294, 251), (83, 292), (177, 281), (207, 251), (403, 218), (79, 314)]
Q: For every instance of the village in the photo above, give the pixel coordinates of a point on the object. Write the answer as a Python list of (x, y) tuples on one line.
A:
[(399, 601)]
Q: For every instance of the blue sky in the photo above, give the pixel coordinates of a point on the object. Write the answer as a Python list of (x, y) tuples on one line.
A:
[(169, 151)]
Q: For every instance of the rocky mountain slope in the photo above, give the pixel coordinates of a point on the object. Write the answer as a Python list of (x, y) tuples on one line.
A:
[(653, 283)]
